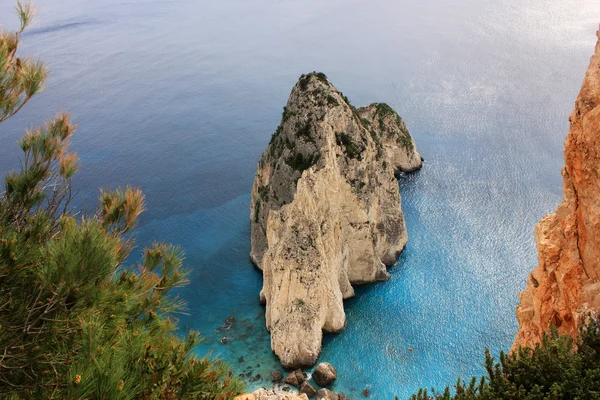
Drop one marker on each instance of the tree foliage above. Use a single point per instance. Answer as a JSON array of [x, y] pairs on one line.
[[76, 322], [20, 79], [556, 368]]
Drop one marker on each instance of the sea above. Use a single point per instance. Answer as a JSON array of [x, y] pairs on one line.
[[180, 98]]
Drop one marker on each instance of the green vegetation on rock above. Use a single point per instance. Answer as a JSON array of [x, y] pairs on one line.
[[20, 79], [77, 322], [285, 115], [303, 131], [305, 79], [332, 101], [403, 138], [351, 149], [256, 210], [300, 162], [263, 191]]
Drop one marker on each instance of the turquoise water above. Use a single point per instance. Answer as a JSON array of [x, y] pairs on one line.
[[181, 97]]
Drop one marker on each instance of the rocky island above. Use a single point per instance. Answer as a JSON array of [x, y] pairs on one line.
[[566, 284], [325, 212]]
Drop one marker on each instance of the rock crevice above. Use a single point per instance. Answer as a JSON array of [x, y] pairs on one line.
[[325, 212]]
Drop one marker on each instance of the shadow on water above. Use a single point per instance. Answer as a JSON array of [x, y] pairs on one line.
[[63, 26]]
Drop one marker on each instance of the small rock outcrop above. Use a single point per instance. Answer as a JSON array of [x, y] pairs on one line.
[[566, 283], [276, 376], [325, 212], [324, 374], [307, 389], [326, 394], [295, 378], [306, 392], [264, 394]]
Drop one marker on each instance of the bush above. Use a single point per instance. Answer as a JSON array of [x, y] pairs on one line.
[[350, 148], [76, 322], [263, 191], [405, 140], [300, 163], [305, 79], [303, 131], [556, 368], [332, 101]]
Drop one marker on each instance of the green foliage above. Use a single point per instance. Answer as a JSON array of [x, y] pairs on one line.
[[20, 79], [300, 162], [556, 368], [303, 131], [76, 322], [382, 110], [351, 149], [275, 134], [256, 211], [403, 138], [332, 100], [321, 76], [299, 302], [305, 79], [285, 115], [263, 191], [346, 100]]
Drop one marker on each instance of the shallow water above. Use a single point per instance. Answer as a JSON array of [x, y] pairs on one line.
[[181, 97]]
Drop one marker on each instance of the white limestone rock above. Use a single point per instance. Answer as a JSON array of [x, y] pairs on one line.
[[325, 212]]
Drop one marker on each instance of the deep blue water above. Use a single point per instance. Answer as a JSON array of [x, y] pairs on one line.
[[181, 97]]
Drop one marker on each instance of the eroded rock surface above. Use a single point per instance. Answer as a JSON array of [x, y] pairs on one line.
[[264, 394], [566, 283], [325, 212]]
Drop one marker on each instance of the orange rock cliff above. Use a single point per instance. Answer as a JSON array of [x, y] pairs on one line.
[[566, 283]]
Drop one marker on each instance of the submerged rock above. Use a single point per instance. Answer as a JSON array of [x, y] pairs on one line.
[[325, 212], [276, 376], [227, 325], [566, 283]]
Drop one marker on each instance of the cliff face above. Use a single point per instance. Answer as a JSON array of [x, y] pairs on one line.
[[566, 282], [325, 212]]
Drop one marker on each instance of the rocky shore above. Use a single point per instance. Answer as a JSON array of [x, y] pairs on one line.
[[565, 286], [304, 388], [325, 212]]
